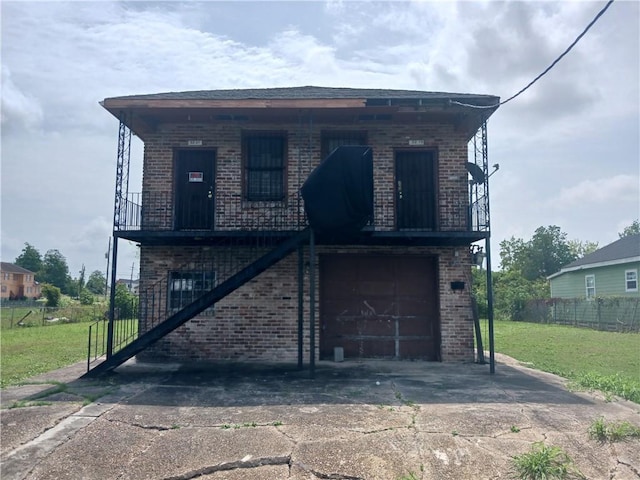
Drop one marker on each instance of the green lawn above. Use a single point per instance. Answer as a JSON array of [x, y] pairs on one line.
[[30, 351], [603, 360]]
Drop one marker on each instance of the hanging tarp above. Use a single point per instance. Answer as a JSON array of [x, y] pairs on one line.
[[338, 195]]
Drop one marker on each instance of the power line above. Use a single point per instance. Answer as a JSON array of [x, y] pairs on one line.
[[600, 13]]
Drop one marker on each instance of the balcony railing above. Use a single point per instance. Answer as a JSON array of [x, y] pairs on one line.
[[154, 212]]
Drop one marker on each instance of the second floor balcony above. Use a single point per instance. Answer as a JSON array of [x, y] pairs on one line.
[[160, 218]]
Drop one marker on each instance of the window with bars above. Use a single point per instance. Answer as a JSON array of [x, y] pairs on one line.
[[264, 166], [332, 140], [186, 287]]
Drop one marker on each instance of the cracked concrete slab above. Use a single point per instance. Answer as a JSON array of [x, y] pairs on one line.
[[355, 420], [19, 425]]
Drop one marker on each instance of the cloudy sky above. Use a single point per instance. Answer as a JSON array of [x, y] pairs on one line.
[[568, 148]]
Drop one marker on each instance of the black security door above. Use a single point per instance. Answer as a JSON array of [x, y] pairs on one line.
[[415, 190], [195, 189]]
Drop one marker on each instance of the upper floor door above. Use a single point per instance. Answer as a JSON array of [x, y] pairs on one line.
[[195, 190], [416, 190]]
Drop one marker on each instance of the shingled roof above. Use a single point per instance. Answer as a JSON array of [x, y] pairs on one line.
[[624, 249], [312, 92], [11, 268], [143, 113]]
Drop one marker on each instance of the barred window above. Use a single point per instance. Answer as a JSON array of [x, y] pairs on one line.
[[265, 162], [186, 287], [334, 139]]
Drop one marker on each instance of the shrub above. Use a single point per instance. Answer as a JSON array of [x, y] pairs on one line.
[[52, 294], [85, 297]]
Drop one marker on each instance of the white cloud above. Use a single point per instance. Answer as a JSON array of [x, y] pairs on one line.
[[619, 188], [18, 107]]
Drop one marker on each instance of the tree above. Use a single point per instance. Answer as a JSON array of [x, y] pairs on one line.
[[96, 282], [580, 249], [546, 253], [126, 303], [512, 292], [55, 270], [629, 230], [81, 281], [30, 259]]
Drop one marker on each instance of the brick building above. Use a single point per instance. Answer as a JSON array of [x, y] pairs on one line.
[[221, 211]]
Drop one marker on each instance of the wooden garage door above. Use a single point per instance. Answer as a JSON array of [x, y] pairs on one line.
[[379, 306]]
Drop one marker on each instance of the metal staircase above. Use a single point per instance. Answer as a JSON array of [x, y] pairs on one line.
[[159, 320]]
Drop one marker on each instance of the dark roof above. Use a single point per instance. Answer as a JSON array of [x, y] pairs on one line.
[[11, 268], [311, 92], [626, 247]]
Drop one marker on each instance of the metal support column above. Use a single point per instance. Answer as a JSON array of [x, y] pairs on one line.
[[300, 305], [492, 355], [119, 215], [485, 158], [112, 298], [312, 304]]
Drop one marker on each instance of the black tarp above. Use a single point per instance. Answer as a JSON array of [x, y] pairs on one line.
[[338, 195]]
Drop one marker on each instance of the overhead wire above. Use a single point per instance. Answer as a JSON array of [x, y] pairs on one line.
[[595, 19]]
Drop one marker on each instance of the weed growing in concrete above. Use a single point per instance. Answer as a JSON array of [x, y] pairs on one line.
[[604, 431], [28, 403], [544, 462], [514, 429], [277, 423], [409, 476]]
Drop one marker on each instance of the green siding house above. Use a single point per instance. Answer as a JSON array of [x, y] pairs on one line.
[[609, 271]]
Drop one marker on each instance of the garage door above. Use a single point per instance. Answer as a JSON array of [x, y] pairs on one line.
[[379, 306]]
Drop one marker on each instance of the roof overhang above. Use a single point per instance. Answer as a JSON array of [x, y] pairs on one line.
[[620, 261], [143, 114]]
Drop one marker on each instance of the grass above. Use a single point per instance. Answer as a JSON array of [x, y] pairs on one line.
[[544, 462], [604, 431], [591, 359], [31, 351]]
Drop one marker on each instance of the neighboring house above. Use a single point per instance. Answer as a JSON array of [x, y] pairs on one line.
[[220, 219], [132, 285], [17, 283], [609, 271]]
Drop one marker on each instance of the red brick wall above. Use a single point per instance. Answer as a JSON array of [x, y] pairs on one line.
[[259, 321]]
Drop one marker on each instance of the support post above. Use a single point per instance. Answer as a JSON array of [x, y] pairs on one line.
[[112, 298], [312, 304], [300, 305], [485, 156], [492, 355]]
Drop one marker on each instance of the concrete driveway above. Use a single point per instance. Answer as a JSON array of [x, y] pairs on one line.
[[356, 420]]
